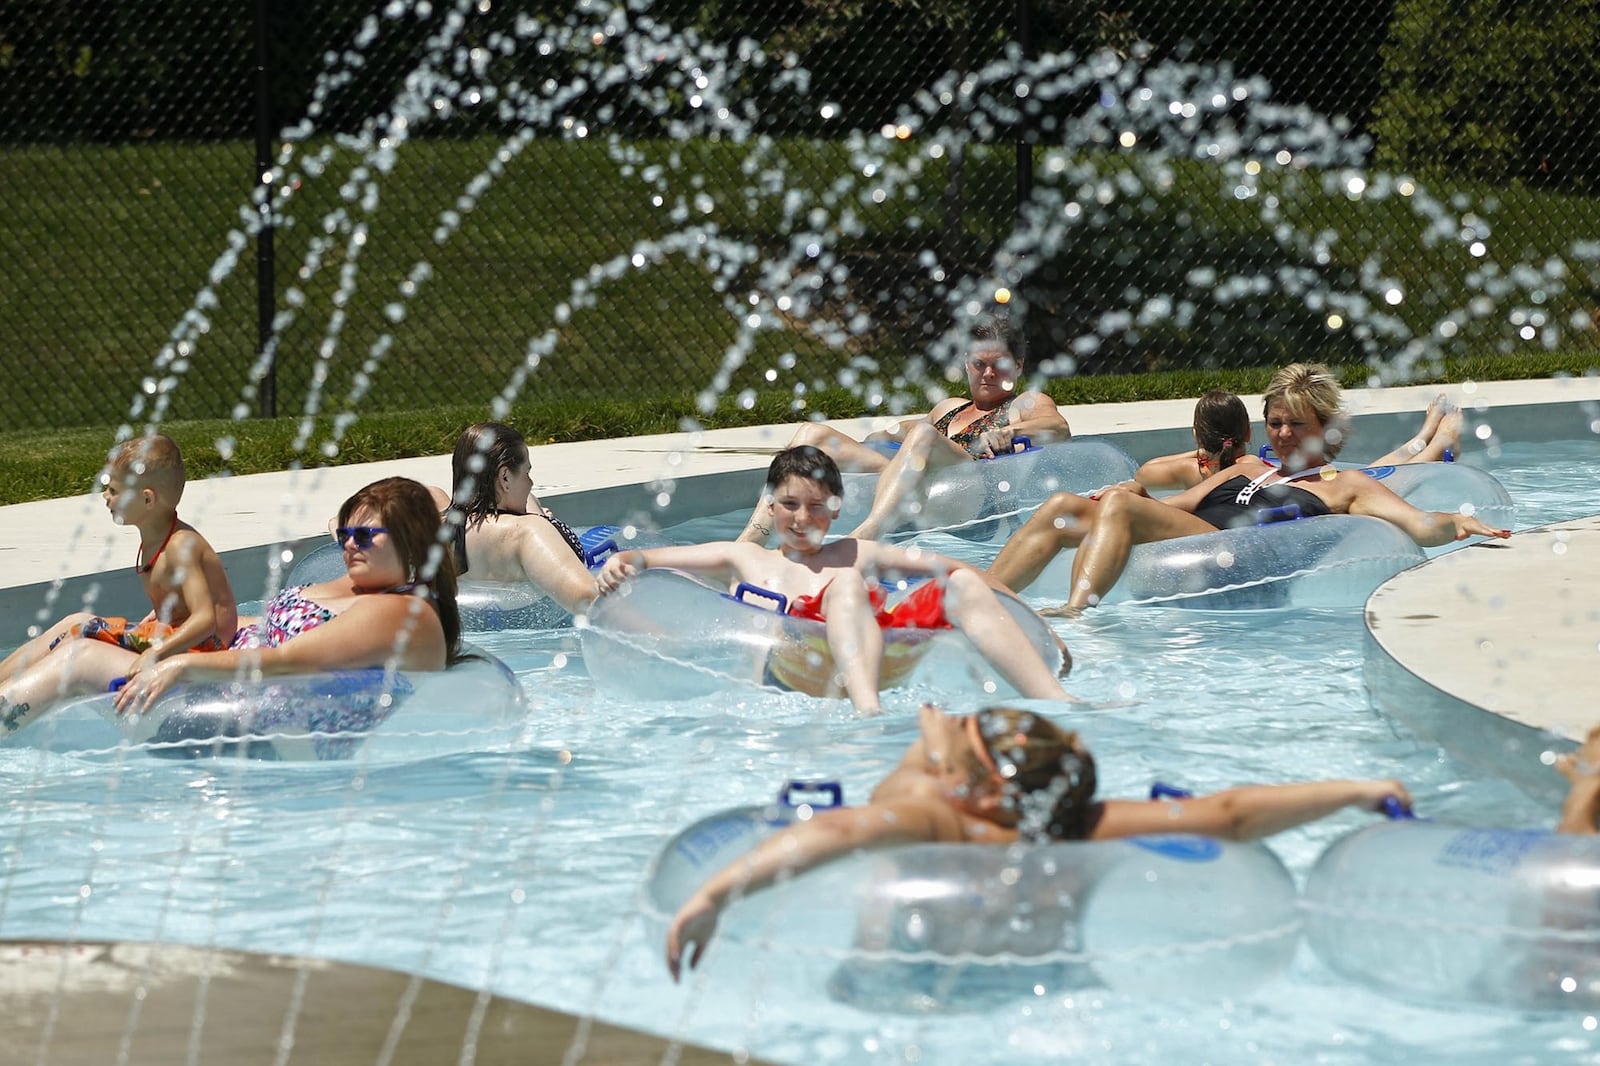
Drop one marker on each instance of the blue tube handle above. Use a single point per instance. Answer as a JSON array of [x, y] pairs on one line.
[[116, 684], [832, 790], [756, 596], [1161, 790], [1019, 445], [596, 556], [1289, 512], [1393, 810]]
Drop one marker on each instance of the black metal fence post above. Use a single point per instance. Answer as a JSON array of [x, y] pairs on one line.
[[266, 295]]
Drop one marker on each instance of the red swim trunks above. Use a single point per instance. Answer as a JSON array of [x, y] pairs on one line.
[[923, 609], [136, 637]]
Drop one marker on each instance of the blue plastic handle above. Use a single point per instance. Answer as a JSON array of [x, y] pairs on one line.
[[594, 557], [1161, 790], [1397, 813], [1019, 446], [831, 790], [1449, 456], [1289, 512], [116, 684], [756, 596]]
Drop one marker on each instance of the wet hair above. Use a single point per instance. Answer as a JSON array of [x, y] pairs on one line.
[[482, 451], [1221, 425], [1049, 774], [811, 464], [152, 461], [406, 509], [1302, 388], [996, 331]]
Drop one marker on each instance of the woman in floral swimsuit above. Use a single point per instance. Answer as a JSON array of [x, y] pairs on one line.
[[391, 609]]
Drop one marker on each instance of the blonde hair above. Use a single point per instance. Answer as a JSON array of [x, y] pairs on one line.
[[1310, 388], [154, 462]]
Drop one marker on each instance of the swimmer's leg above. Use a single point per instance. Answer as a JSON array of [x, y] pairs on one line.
[[1123, 520], [854, 639], [82, 668], [39, 646], [1058, 524], [925, 449], [1581, 811], [1440, 433], [972, 607]]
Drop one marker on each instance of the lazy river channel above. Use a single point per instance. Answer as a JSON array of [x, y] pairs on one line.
[[518, 869]]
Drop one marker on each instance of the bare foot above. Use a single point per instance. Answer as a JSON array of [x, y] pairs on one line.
[[1063, 610]]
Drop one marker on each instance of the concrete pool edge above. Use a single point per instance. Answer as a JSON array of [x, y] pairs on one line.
[[1510, 628], [96, 1002]]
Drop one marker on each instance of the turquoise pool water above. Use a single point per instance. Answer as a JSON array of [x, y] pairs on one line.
[[518, 869]]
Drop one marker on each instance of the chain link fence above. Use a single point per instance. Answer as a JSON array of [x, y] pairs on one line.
[[219, 210]]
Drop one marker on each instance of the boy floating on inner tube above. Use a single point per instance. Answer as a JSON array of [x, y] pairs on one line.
[[192, 604], [997, 777], [837, 584]]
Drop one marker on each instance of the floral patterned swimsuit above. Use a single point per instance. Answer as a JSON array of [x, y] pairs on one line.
[[968, 437], [286, 617]]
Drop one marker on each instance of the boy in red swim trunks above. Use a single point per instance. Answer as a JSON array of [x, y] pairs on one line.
[[192, 603], [837, 583]]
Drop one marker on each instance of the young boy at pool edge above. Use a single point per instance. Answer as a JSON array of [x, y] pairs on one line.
[[192, 604], [837, 584]]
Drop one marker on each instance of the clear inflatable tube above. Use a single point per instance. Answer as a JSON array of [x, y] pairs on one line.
[[1444, 914], [665, 635], [490, 606], [1329, 561], [989, 499], [321, 717], [939, 925]]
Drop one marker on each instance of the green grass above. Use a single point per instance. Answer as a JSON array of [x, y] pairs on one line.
[[45, 464], [104, 250]]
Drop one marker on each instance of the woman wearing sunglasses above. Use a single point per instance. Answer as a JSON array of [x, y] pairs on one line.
[[505, 534], [996, 777], [394, 607]]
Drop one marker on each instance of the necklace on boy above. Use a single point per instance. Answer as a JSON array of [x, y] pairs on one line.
[[139, 565]]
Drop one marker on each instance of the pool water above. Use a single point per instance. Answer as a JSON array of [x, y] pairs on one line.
[[518, 870]]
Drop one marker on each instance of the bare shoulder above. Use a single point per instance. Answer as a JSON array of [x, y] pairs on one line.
[[945, 406], [1033, 402]]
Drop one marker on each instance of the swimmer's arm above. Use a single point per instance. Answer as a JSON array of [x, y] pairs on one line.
[[196, 596], [1580, 813], [1036, 416], [1170, 472], [718, 561], [1428, 528], [1247, 813], [548, 562], [827, 836], [366, 634], [891, 561]]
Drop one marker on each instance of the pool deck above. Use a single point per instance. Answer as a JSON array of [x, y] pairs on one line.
[[86, 1004]]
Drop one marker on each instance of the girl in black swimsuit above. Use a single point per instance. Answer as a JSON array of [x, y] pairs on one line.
[[492, 497]]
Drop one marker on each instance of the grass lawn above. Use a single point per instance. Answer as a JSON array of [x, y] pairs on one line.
[[601, 287]]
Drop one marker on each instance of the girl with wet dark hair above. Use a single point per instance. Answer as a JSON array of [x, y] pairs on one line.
[[502, 532], [997, 777]]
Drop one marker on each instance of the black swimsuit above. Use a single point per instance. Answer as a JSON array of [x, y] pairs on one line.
[[1240, 501], [561, 527]]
